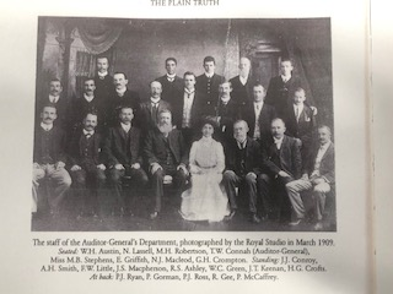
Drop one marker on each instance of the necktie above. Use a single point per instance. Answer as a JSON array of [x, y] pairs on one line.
[[297, 113], [154, 112]]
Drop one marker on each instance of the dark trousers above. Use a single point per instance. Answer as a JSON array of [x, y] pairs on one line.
[[88, 184], [231, 180], [137, 178], [274, 197], [179, 181]]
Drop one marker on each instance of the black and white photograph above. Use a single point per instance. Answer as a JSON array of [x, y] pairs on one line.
[[183, 125]]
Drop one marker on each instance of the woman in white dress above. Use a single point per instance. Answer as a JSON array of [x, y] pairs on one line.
[[206, 199]]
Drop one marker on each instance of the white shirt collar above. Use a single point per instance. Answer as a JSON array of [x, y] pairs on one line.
[[325, 146], [286, 79], [85, 132], [189, 91], [242, 145], [125, 127], [54, 99], [225, 100], [46, 127], [155, 100], [88, 98], [209, 76], [243, 80], [171, 76], [102, 74]]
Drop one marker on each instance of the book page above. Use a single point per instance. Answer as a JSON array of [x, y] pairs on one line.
[[41, 256]]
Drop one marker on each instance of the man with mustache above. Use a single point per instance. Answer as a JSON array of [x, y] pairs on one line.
[[49, 159], [318, 176], [56, 98], [281, 164], [150, 109], [87, 165], [122, 96], [123, 157], [88, 102], [165, 154]]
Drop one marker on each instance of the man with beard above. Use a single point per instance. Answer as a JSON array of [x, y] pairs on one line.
[[87, 165], [87, 103], [281, 164], [49, 159], [165, 154], [172, 84], [122, 97], [150, 109], [56, 98], [122, 152], [318, 176], [242, 168], [242, 84], [102, 80]]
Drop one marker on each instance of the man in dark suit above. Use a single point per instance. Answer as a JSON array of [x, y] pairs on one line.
[[318, 176], [281, 164], [172, 84], [150, 109], [300, 121], [187, 109], [123, 157], [122, 96], [281, 88], [259, 116], [103, 81], [209, 81], [242, 84], [86, 103], [56, 98], [227, 112], [242, 166], [49, 159], [166, 155], [87, 165]]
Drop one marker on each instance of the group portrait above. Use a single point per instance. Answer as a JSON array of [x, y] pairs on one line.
[[183, 125]]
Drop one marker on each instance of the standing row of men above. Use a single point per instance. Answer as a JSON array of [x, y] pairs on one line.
[[238, 106]]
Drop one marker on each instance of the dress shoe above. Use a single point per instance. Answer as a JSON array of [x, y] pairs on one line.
[[318, 226], [296, 222], [255, 218], [154, 215], [230, 216]]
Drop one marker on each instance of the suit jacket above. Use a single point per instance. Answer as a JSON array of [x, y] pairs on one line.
[[268, 113], [130, 98], [197, 110], [171, 90], [242, 94], [145, 120], [279, 93], [229, 113], [62, 107], [104, 87], [76, 153], [302, 129], [155, 150], [289, 156], [79, 108], [211, 94], [58, 143], [115, 146], [253, 156], [326, 168]]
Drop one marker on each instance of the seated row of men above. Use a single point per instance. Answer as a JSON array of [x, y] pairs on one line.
[[270, 170]]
